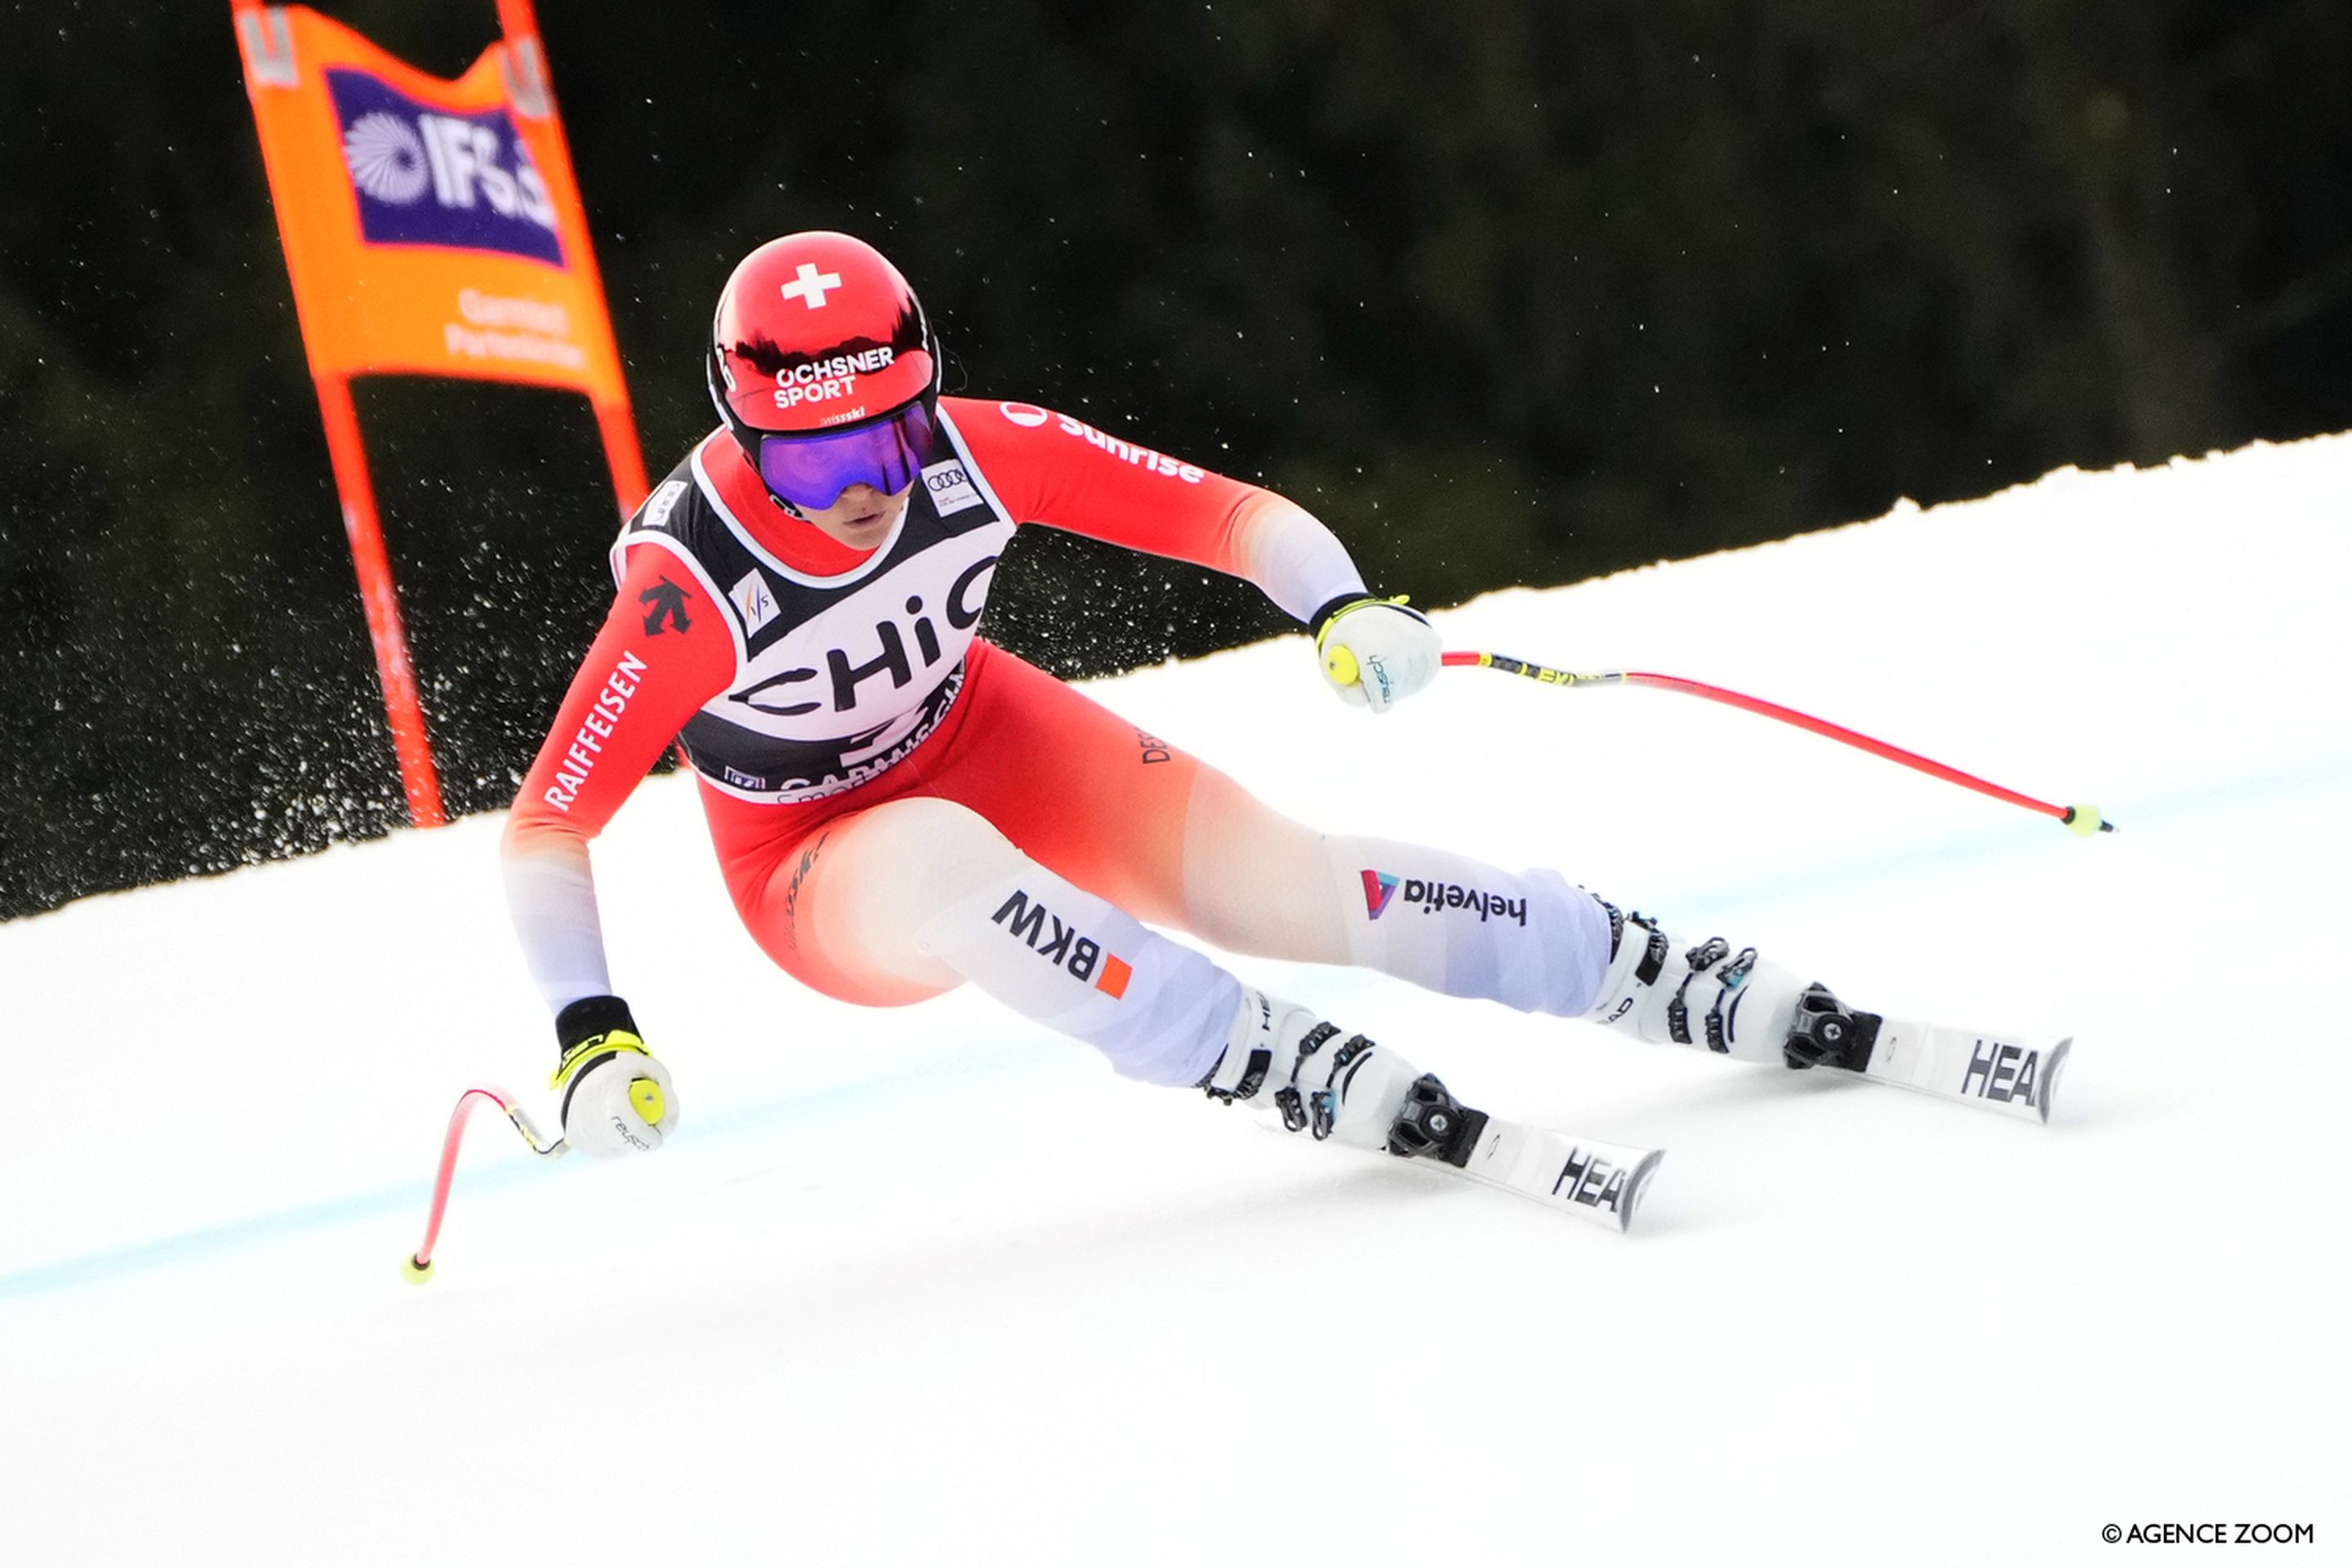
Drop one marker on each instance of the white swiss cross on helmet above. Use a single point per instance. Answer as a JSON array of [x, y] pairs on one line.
[[810, 287], [815, 331]]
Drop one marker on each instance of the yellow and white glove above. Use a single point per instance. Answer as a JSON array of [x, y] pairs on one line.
[[616, 1099], [1375, 652]]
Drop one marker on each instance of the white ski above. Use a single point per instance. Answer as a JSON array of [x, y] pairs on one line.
[[1581, 1176], [2000, 1073]]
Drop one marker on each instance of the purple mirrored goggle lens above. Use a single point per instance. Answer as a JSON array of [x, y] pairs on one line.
[[810, 472]]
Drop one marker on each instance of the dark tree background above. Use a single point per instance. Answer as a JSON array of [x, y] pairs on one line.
[[1508, 292]]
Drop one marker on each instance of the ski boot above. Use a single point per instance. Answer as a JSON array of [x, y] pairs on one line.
[[1368, 1095], [1732, 1002], [1284, 1057]]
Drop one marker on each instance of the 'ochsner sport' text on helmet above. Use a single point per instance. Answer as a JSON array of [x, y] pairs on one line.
[[815, 332]]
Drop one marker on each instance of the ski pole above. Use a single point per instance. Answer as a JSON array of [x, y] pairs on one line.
[[420, 1262], [2083, 818]]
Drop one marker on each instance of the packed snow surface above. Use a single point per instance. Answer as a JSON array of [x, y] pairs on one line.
[[929, 1286]]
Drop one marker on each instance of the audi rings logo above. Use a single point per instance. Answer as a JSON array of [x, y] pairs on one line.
[[386, 157], [1028, 416]]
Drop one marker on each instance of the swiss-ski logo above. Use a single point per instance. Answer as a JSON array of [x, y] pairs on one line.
[[1080, 957], [2003, 1072]]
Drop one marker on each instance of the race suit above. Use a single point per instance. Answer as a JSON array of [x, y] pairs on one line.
[[900, 806]]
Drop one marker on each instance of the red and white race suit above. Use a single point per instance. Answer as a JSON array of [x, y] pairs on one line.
[[871, 767]]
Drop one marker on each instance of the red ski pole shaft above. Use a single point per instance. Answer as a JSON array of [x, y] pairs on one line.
[[2084, 819], [420, 1262]]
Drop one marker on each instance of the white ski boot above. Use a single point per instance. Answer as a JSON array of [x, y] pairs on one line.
[[1284, 1057], [1711, 998], [1344, 1087]]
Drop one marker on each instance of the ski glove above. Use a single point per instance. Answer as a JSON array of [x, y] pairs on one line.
[[616, 1099], [1375, 652]]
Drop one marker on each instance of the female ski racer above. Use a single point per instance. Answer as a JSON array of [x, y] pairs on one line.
[[799, 610]]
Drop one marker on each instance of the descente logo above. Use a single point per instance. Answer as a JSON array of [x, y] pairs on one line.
[[1381, 891], [1080, 957]]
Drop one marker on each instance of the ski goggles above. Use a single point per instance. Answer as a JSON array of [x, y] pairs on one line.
[[812, 470]]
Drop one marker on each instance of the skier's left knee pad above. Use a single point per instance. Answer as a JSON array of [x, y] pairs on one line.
[[941, 846], [1709, 995]]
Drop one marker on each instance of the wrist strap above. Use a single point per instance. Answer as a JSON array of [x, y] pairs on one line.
[[1322, 617], [1348, 603], [589, 1017]]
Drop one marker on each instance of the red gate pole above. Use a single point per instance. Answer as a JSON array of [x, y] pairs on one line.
[[410, 741], [528, 89], [623, 455]]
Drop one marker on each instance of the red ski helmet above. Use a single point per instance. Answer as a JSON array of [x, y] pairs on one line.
[[825, 368]]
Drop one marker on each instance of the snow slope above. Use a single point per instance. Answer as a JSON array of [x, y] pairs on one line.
[[929, 1287]]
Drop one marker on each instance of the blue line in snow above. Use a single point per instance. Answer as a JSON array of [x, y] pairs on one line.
[[931, 1077]]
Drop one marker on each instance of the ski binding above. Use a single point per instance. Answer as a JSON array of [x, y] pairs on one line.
[[1582, 1176], [2000, 1073]]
